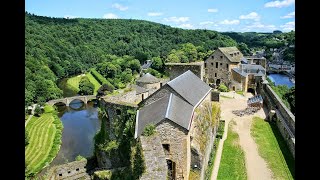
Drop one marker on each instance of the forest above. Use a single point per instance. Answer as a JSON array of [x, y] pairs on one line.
[[56, 48]]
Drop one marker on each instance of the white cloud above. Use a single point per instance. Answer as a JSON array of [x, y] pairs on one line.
[[177, 19], [213, 10], [230, 22], [70, 17], [186, 26], [288, 26], [110, 16], [290, 15], [155, 14], [258, 25], [206, 23], [253, 15], [120, 7], [279, 4]]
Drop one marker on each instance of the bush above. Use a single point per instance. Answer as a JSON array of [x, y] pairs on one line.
[[80, 158], [37, 110], [149, 130], [85, 86], [48, 109], [102, 175], [223, 88]]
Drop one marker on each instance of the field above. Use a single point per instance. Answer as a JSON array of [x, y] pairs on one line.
[[44, 141], [94, 82], [73, 83], [272, 149], [232, 165]]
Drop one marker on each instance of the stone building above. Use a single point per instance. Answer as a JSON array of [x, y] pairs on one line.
[[171, 109], [176, 69], [246, 76], [149, 82], [256, 60], [218, 65]]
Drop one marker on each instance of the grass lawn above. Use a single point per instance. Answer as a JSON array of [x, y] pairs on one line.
[[232, 164], [273, 149], [94, 82], [44, 141], [73, 83]]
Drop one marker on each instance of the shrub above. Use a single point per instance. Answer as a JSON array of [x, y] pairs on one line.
[[80, 158], [223, 88], [37, 110], [149, 130]]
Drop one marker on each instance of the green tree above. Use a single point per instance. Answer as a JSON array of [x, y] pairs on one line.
[[85, 86], [37, 110], [157, 64]]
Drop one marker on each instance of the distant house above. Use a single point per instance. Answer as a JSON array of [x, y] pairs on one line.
[[147, 64], [171, 109], [218, 65]]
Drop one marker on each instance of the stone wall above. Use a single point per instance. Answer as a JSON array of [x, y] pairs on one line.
[[285, 119], [178, 140], [149, 85], [202, 131], [175, 69], [215, 96], [72, 170], [154, 158]]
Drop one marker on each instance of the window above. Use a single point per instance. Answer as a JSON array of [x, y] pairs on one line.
[[211, 64], [212, 57], [60, 174], [215, 74], [217, 64], [228, 66], [221, 57], [220, 64], [231, 55], [77, 169], [69, 172], [166, 148], [205, 65]]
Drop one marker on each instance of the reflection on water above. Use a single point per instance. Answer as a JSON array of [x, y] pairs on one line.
[[281, 79], [80, 123]]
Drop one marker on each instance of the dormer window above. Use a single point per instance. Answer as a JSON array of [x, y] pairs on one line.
[[231, 55]]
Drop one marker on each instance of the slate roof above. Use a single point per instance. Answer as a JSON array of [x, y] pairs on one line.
[[168, 107], [148, 78], [230, 50], [190, 87], [179, 110], [147, 64], [140, 89], [257, 70]]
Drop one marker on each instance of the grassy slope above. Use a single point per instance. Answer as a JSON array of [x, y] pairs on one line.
[[273, 149], [94, 82], [73, 83], [232, 165], [44, 141]]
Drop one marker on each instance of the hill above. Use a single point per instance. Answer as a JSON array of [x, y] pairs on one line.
[[56, 47]]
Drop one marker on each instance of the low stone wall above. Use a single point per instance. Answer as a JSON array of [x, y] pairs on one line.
[[285, 118], [154, 158]]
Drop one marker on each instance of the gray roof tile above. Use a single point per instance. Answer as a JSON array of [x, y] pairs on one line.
[[190, 87], [148, 78]]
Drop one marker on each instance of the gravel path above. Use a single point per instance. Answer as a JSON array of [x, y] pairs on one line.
[[255, 165]]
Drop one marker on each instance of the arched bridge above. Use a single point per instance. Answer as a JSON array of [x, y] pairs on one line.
[[68, 100]]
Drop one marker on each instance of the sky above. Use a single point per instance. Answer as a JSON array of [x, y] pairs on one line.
[[218, 15]]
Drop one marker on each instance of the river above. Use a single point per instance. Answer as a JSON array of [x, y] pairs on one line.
[[281, 79], [80, 123]]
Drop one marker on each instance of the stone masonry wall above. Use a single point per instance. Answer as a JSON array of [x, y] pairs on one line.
[[178, 139], [222, 72], [285, 119], [176, 69], [154, 158]]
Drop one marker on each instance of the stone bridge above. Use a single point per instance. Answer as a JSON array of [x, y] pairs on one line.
[[68, 100]]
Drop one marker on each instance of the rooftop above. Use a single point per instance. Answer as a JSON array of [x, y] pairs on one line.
[[148, 78], [231, 50]]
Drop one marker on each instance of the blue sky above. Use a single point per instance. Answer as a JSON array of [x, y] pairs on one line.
[[219, 15]]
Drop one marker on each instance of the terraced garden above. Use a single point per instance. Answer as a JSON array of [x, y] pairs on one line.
[[45, 134], [273, 148]]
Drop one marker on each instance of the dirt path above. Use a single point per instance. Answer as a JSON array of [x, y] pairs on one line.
[[255, 165]]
